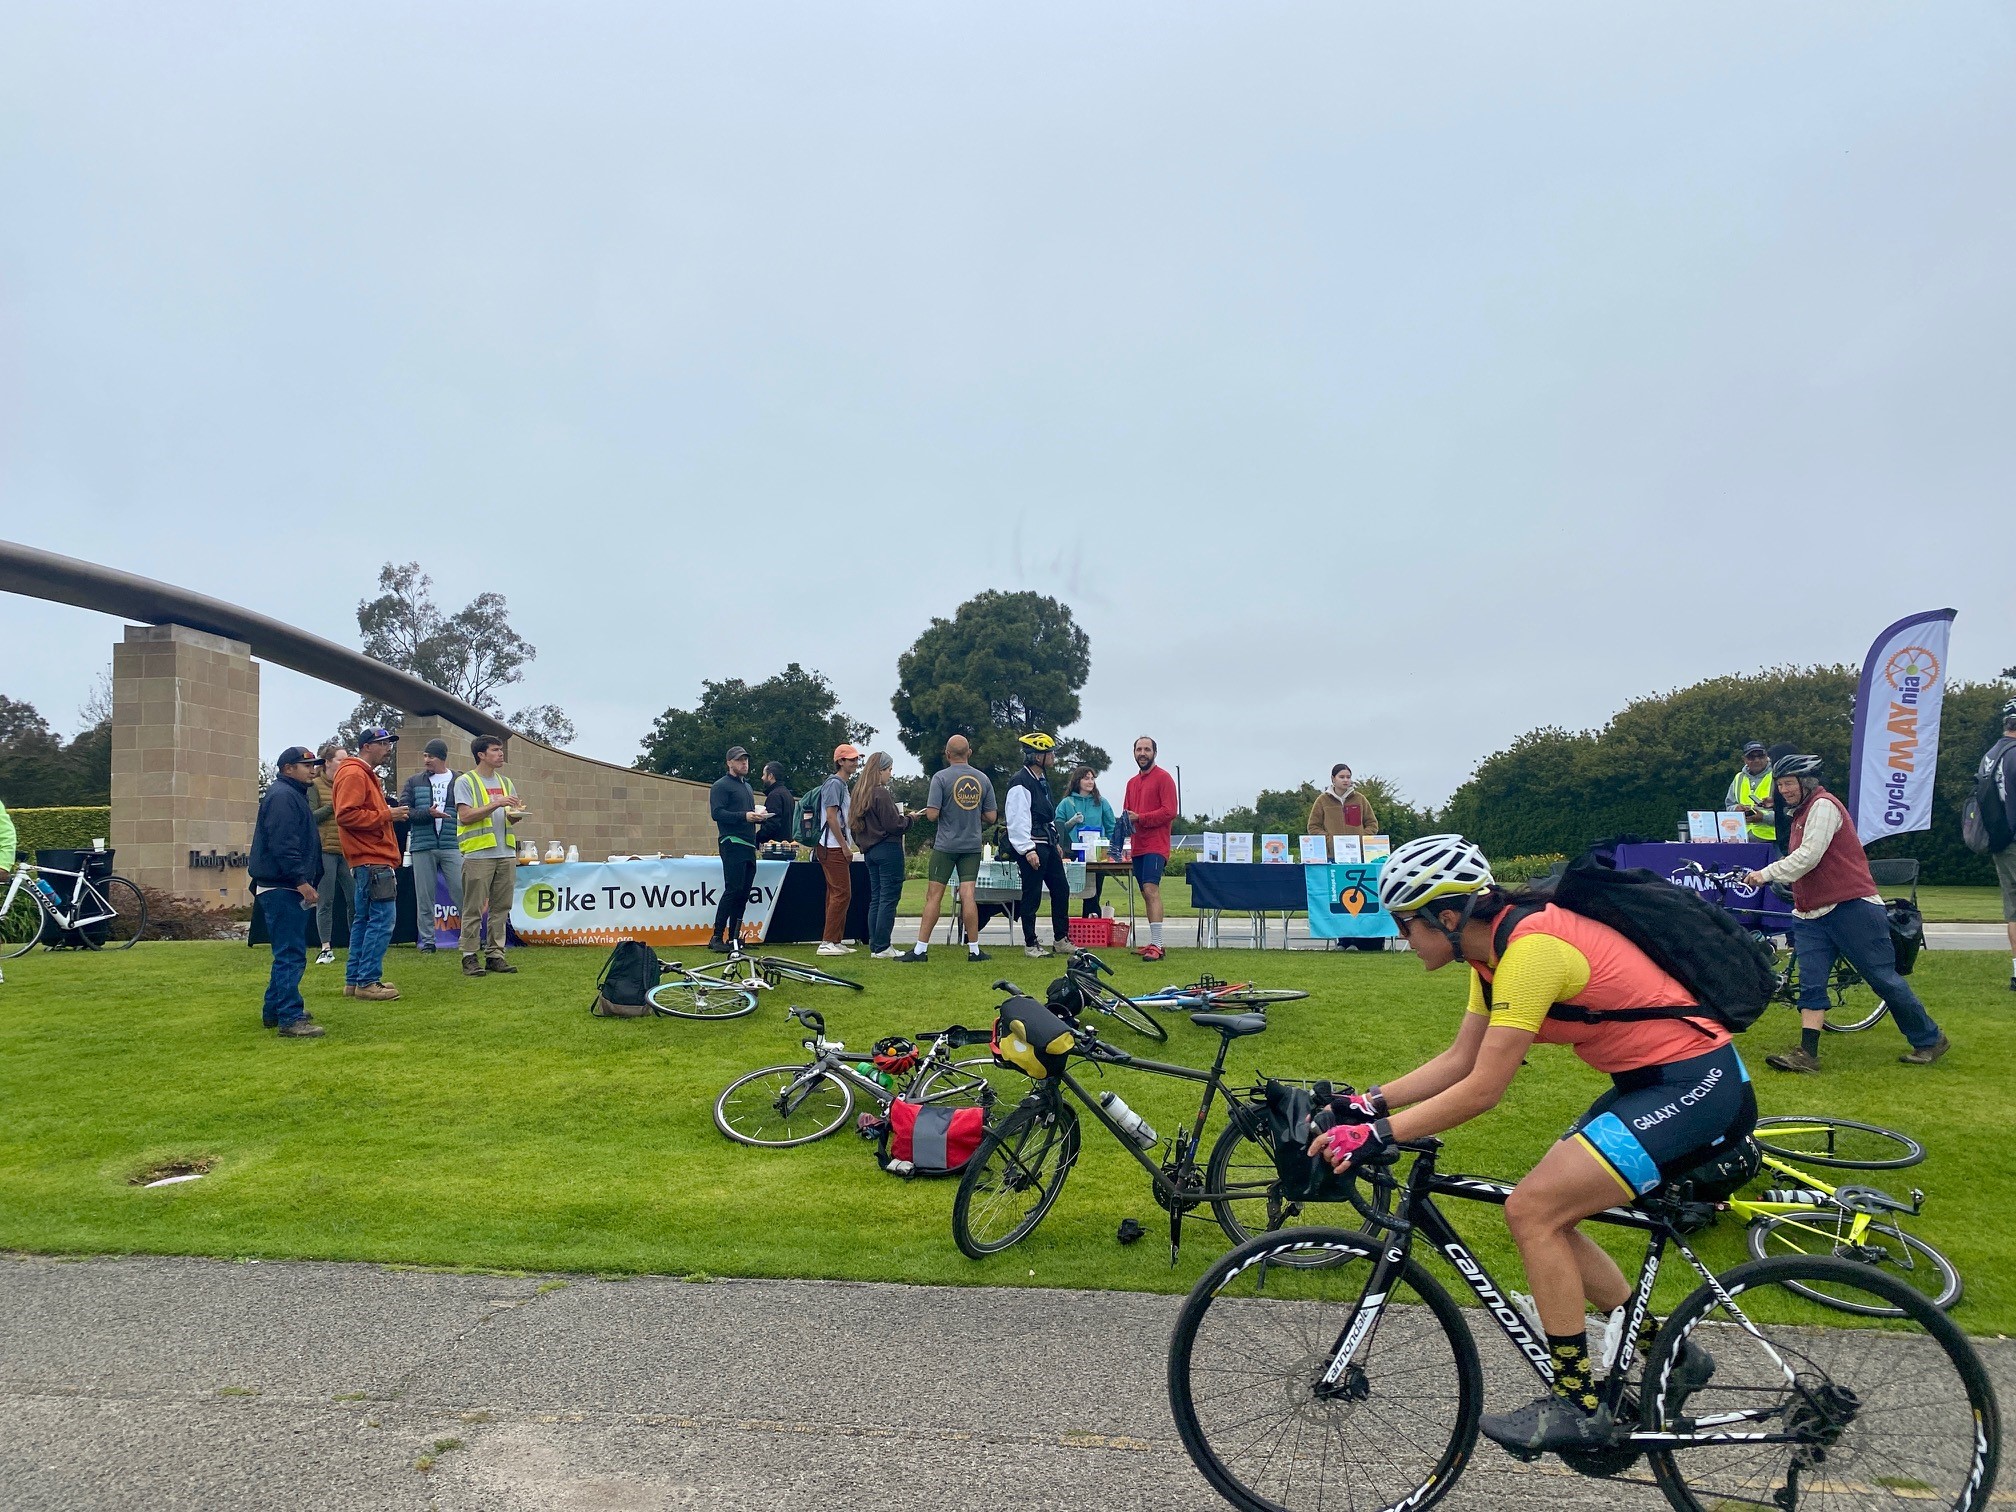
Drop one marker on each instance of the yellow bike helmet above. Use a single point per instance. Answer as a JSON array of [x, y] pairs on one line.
[[1036, 740]]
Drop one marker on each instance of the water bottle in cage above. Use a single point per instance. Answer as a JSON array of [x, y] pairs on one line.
[[1132, 1124], [1802, 1195]]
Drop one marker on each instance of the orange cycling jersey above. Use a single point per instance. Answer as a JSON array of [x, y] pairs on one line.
[[1555, 956]]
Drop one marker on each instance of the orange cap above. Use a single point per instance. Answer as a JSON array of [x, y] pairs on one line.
[[846, 752]]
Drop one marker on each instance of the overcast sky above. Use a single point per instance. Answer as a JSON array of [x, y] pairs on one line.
[[1375, 383]]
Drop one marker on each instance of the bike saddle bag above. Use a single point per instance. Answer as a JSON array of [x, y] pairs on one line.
[[1032, 1038], [1721, 1178], [1290, 1127], [929, 1139]]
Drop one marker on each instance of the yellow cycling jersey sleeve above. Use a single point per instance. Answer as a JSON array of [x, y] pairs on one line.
[[1536, 972]]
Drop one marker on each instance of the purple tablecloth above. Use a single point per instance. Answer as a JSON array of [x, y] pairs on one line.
[[1762, 909]]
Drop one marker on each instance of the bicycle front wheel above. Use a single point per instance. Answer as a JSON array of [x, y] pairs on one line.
[[1839, 1142], [1881, 1246], [1852, 1004], [1135, 1017], [782, 1106], [1897, 1417], [700, 1000], [129, 916], [1246, 1362], [773, 967], [1245, 1188], [1257, 997], [1015, 1176], [20, 922]]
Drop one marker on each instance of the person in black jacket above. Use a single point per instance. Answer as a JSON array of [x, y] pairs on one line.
[[735, 819], [783, 807], [285, 864]]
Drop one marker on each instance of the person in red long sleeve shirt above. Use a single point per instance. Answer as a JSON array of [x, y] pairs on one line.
[[1151, 808]]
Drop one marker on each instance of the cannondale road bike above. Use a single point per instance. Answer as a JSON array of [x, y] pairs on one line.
[[58, 907], [1326, 1370]]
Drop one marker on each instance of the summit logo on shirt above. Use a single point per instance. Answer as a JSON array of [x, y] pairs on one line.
[[966, 791]]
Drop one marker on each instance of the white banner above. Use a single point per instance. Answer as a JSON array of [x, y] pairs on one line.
[[664, 902], [1897, 705]]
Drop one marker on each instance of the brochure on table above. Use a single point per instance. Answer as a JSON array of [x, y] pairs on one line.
[[1239, 845], [1701, 827], [1376, 847], [1733, 825], [1314, 851], [1347, 850], [1274, 850]]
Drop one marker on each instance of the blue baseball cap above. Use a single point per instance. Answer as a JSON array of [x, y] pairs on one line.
[[377, 735]]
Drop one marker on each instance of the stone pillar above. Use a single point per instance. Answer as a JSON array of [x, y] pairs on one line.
[[185, 761]]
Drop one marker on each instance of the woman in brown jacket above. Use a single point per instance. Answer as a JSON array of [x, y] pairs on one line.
[[1341, 809], [878, 826]]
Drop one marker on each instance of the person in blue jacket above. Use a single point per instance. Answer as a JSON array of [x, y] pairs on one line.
[[1081, 807], [286, 863]]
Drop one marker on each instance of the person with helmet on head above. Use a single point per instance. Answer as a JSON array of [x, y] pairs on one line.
[[1837, 914], [1679, 1096], [1032, 836]]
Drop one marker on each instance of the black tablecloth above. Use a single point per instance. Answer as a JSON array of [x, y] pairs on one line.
[[1247, 887]]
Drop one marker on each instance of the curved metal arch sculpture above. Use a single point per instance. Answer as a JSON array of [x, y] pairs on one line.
[[60, 579]]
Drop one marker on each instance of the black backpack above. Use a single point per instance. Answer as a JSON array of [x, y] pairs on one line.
[[1984, 819], [1726, 968], [632, 970]]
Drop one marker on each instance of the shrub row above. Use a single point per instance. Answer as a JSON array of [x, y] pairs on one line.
[[60, 828]]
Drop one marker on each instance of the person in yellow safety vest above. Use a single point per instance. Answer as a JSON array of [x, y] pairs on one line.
[[486, 806], [1750, 791]]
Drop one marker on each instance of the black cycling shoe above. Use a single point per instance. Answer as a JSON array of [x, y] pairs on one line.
[[1547, 1425]]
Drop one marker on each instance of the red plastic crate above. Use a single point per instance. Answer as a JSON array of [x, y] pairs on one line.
[[1098, 934]]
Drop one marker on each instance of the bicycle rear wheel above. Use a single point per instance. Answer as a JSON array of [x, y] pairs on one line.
[[1897, 1417], [1015, 1176], [1134, 1016], [1842, 1143], [1257, 997], [779, 1107], [21, 923], [129, 916], [1883, 1246], [1245, 1366], [773, 967], [1852, 1004], [700, 1000], [978, 1082]]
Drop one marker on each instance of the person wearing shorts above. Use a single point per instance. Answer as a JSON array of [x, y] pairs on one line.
[[961, 804], [1150, 807]]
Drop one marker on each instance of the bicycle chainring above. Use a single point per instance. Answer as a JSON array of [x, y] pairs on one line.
[[1190, 1197]]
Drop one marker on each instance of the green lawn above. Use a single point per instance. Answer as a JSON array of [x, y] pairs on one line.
[[495, 1123], [1175, 899]]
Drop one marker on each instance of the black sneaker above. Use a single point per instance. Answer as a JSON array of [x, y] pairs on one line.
[[978, 955], [1547, 1425], [302, 1028], [911, 958], [720, 947]]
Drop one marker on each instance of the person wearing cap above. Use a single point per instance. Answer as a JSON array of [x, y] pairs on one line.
[[364, 823], [285, 864], [1750, 791], [486, 806], [736, 816], [430, 838], [834, 850]]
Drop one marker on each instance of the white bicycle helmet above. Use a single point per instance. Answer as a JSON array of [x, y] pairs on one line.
[[1434, 866]]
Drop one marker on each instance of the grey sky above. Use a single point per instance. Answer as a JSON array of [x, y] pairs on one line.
[[1376, 383]]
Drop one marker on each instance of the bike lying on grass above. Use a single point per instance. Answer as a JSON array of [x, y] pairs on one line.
[[727, 988], [76, 909], [1326, 1368], [1084, 970], [781, 1106], [1020, 1168]]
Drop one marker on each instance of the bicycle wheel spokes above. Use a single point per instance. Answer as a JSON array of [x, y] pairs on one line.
[[1242, 1171], [1258, 997], [779, 1106], [129, 916], [1892, 1418], [1015, 1176], [979, 1082], [701, 1000], [1245, 1380], [774, 967], [1852, 1003], [1883, 1246], [21, 923], [1839, 1142], [1134, 1016]]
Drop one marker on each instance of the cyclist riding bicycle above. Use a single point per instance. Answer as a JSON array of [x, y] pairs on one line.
[[1679, 1096]]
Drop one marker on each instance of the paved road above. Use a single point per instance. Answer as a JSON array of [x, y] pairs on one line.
[[151, 1383]]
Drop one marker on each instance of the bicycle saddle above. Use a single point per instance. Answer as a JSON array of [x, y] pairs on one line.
[[1231, 1025]]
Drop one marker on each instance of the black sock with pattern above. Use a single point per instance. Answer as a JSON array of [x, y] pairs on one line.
[[1574, 1376], [1648, 1330]]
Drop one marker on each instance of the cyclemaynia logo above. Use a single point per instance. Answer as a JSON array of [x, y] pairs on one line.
[[1911, 667]]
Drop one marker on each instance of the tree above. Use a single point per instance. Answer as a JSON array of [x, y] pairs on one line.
[[471, 654], [1004, 664], [793, 718], [38, 769]]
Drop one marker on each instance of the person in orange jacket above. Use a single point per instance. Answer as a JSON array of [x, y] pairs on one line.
[[364, 824]]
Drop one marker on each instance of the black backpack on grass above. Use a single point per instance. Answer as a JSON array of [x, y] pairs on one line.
[[632, 970]]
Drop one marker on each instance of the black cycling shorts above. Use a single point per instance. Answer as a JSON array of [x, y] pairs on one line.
[[1662, 1121]]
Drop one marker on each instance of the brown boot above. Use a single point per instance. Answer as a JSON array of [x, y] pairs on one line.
[[379, 992], [498, 963], [471, 966], [349, 989], [302, 1028]]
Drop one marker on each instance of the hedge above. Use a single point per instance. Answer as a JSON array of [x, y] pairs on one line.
[[60, 828]]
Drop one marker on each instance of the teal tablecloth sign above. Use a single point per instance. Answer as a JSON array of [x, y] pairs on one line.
[[1344, 902]]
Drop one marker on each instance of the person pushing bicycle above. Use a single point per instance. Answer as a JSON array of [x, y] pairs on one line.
[[1679, 1096]]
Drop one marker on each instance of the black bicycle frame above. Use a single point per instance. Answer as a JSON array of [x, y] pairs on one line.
[[1417, 1213]]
